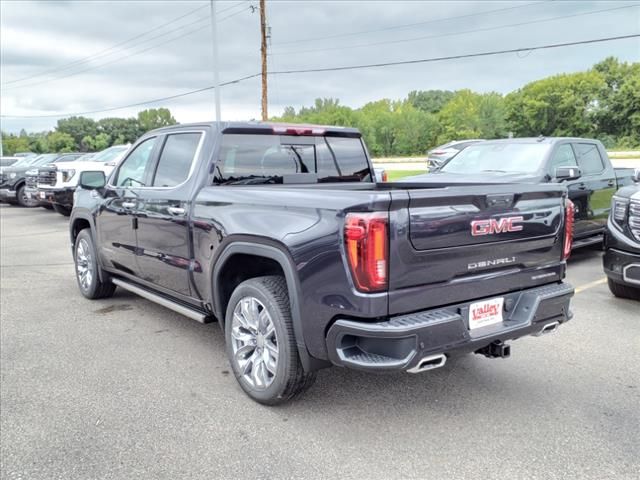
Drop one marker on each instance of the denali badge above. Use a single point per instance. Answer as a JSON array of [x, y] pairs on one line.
[[490, 263], [492, 226]]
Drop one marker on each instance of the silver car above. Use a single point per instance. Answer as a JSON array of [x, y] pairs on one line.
[[439, 155]]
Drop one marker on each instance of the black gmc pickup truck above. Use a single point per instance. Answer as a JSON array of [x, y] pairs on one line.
[[580, 164], [281, 234]]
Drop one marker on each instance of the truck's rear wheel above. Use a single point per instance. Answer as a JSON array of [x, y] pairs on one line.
[[88, 270], [66, 211], [261, 344], [623, 291]]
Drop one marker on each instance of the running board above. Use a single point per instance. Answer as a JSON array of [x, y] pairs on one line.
[[155, 298], [585, 242]]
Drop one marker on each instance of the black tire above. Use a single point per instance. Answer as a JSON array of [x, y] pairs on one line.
[[22, 200], [47, 205], [92, 288], [289, 379], [623, 291], [66, 211]]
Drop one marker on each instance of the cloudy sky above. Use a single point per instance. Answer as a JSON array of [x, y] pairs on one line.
[[60, 57]]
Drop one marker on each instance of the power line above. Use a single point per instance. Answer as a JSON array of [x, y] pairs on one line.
[[456, 57], [409, 25], [413, 39], [343, 68], [146, 102], [95, 67], [103, 53]]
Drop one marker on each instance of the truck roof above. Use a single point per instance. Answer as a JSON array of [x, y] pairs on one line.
[[545, 140], [255, 125]]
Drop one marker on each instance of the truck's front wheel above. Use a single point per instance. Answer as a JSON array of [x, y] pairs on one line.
[[88, 269], [24, 200], [261, 344]]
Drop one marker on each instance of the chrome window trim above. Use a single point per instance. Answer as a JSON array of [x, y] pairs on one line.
[[203, 134]]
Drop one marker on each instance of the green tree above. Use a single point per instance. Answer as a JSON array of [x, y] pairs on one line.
[[430, 101], [562, 105], [120, 130], [97, 143], [60, 142], [77, 128], [472, 115], [618, 112], [155, 118], [12, 143]]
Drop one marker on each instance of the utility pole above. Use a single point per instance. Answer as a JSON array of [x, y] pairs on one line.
[[216, 76], [263, 52]]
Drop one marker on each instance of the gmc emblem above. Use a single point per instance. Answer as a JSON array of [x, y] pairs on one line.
[[492, 226]]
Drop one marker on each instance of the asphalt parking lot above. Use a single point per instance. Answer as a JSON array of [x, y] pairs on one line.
[[123, 388]]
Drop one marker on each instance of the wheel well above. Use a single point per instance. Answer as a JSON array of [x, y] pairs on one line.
[[79, 225], [238, 268]]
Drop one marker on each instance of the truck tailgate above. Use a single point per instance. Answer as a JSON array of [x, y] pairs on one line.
[[446, 242]]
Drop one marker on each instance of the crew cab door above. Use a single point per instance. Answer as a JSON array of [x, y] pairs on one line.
[[599, 181], [164, 238], [116, 219], [564, 155]]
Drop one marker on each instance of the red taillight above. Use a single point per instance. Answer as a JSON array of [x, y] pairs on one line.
[[366, 244], [385, 176], [569, 212]]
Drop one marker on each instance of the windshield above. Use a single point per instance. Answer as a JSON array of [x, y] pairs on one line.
[[498, 157], [25, 162], [46, 158], [108, 154]]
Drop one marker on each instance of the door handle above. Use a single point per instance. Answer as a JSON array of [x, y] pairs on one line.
[[129, 205], [582, 186], [176, 210], [612, 183]]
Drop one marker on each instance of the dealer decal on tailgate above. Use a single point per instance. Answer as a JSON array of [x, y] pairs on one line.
[[485, 313]]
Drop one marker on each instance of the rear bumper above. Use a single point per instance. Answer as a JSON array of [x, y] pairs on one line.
[[403, 342]]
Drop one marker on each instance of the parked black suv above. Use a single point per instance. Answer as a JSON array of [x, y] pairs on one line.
[[281, 234], [622, 242]]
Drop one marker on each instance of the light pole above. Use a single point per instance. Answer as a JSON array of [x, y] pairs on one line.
[[216, 76]]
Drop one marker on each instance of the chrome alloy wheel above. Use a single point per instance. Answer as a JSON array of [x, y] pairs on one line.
[[84, 264], [254, 342]]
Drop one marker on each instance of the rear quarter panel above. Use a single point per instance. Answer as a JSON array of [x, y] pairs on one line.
[[306, 224]]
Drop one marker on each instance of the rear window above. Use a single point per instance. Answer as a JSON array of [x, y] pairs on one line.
[[250, 159]]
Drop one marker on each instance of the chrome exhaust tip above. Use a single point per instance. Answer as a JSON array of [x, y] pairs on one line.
[[548, 328], [429, 363]]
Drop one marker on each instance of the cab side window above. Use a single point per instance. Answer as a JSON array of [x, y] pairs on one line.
[[177, 156], [589, 158], [132, 170], [563, 157]]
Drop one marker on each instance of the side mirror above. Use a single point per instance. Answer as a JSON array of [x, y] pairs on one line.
[[636, 175], [92, 180], [567, 173]]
